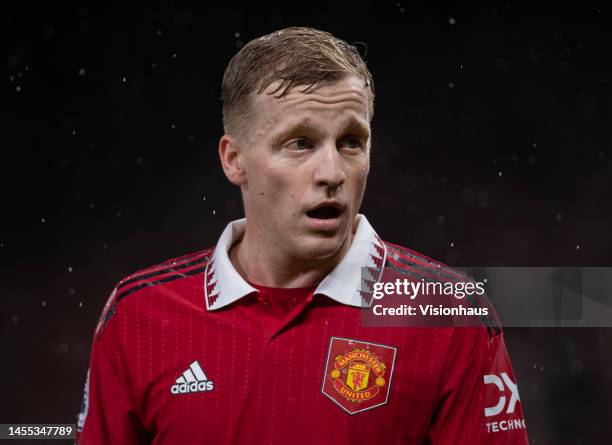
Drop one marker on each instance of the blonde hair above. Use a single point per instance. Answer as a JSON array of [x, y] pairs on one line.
[[295, 56]]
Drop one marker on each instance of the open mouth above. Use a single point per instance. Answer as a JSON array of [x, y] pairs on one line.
[[324, 212]]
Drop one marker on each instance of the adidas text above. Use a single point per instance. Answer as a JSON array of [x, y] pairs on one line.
[[185, 388], [193, 379]]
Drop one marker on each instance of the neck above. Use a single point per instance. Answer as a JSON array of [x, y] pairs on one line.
[[262, 263]]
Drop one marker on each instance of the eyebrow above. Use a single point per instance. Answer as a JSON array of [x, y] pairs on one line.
[[350, 124]]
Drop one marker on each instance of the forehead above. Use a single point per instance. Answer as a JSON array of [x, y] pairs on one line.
[[344, 101]]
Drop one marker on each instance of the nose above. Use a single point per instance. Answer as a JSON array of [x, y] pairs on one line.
[[330, 169]]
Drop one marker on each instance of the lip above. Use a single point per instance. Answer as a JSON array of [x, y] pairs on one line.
[[327, 224], [334, 204]]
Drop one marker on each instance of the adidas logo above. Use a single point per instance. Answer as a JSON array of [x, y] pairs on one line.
[[192, 380]]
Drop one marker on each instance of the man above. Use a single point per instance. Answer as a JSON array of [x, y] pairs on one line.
[[259, 339]]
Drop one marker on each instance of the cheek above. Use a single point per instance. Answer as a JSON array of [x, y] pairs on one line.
[[275, 185], [261, 176], [359, 175], [279, 182], [357, 186]]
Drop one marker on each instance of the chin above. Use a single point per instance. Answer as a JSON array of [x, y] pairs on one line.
[[321, 247]]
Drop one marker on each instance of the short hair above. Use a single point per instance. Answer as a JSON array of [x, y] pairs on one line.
[[296, 56]]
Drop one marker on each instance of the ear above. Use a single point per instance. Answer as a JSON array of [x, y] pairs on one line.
[[232, 159]]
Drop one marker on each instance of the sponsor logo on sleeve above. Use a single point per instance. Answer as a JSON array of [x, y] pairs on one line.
[[504, 392]]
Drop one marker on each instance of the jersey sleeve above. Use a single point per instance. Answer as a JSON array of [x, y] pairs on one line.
[[479, 400], [108, 413]]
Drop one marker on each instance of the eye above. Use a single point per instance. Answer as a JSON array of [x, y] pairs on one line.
[[352, 142], [299, 145]]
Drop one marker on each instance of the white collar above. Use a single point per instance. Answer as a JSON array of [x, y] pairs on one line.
[[223, 284]]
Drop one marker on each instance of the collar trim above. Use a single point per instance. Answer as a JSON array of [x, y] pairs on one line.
[[350, 282]]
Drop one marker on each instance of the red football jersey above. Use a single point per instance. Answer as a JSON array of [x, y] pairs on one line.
[[189, 352]]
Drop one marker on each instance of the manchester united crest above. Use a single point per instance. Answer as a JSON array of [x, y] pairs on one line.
[[358, 374]]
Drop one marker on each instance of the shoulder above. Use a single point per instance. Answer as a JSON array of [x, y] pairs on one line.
[[145, 281], [417, 266], [411, 262]]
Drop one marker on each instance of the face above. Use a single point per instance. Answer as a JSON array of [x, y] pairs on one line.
[[306, 166], [303, 166]]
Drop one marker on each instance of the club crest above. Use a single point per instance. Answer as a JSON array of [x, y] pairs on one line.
[[358, 374]]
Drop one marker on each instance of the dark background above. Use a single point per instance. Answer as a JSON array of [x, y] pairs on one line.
[[492, 146]]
